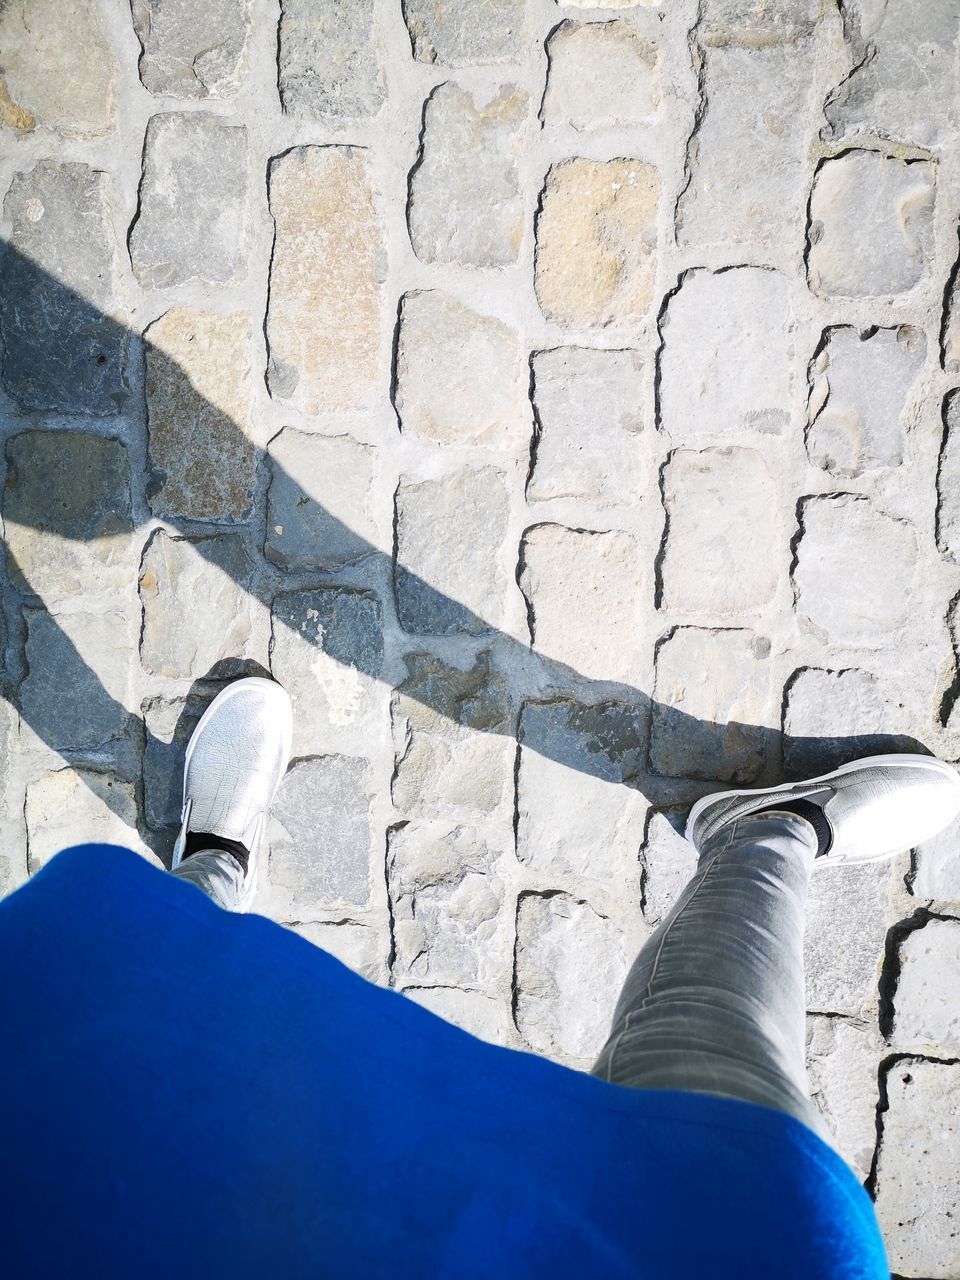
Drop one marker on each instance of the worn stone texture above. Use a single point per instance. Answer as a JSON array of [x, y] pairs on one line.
[[724, 553], [58, 69], [926, 1016], [361, 947], [465, 204], [59, 282], [948, 491], [950, 327], [937, 866], [753, 25], [193, 215], [320, 508], [574, 816], [448, 576], [845, 935], [589, 411], [833, 717], [600, 74], [918, 1168], [862, 400], [192, 48], [586, 594], [70, 806], [612, 4], [855, 570], [198, 408], [169, 723], [608, 209], [330, 61], [870, 231], [462, 377], [326, 275], [842, 1061], [727, 360], [459, 33], [473, 1011], [669, 863]]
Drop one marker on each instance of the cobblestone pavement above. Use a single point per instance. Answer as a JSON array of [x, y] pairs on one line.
[[561, 402]]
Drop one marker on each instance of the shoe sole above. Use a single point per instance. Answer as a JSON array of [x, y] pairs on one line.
[[812, 784]]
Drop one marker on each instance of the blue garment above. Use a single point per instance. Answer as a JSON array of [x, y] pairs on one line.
[[189, 1092]]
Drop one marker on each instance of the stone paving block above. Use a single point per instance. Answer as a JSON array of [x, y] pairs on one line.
[[669, 863], [950, 329], [79, 806], [58, 282], [216, 571], [586, 594], [462, 378], [360, 947], [327, 644], [611, 4], [472, 1011], [832, 717], [589, 407], [453, 736], [574, 814], [321, 838], [918, 1169], [326, 277], [948, 491], [465, 204], [870, 232], [169, 723], [447, 904], [756, 26], [66, 514], [926, 1015], [330, 65], [903, 85], [320, 503], [842, 1060], [448, 577], [726, 365], [192, 219], [845, 938], [569, 969], [855, 570], [748, 158], [608, 209], [76, 691], [59, 70], [713, 706], [937, 866], [724, 550], [192, 48], [861, 399], [600, 74], [198, 409], [459, 34]]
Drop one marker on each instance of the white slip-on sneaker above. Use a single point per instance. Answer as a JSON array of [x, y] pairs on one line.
[[235, 760], [875, 807]]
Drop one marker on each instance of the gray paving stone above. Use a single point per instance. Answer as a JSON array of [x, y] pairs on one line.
[[926, 1017], [462, 378], [600, 74], [360, 947], [855, 570], [612, 4], [574, 816], [327, 645], [861, 399], [585, 595], [845, 937], [950, 329], [58, 283], [192, 48], [473, 1011], [59, 69], [904, 83], [192, 220], [589, 407], [320, 508], [321, 838], [448, 576], [216, 571], [330, 64], [198, 410], [842, 1061], [66, 513], [669, 863], [465, 204], [608, 209], [79, 806], [720, 679], [453, 737], [570, 967], [726, 365], [724, 551], [326, 276], [948, 491], [937, 866], [756, 26], [832, 717], [459, 34], [918, 1169], [447, 905], [871, 225], [169, 723]]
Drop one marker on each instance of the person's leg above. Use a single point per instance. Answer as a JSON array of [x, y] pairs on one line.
[[217, 873]]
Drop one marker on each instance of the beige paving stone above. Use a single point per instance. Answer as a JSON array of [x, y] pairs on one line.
[[926, 1018], [845, 936], [459, 33], [473, 1011], [950, 331], [669, 863], [600, 73], [754, 25], [842, 1061], [948, 491], [937, 867], [192, 48], [361, 947], [832, 717], [80, 806]]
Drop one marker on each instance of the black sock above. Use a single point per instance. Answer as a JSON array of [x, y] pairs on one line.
[[813, 814], [197, 841]]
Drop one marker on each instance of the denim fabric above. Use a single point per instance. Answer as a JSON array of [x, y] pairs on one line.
[[217, 873]]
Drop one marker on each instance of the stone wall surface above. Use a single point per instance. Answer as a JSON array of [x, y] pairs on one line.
[[561, 400]]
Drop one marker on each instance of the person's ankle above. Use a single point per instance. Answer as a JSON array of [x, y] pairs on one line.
[[200, 841], [811, 813]]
